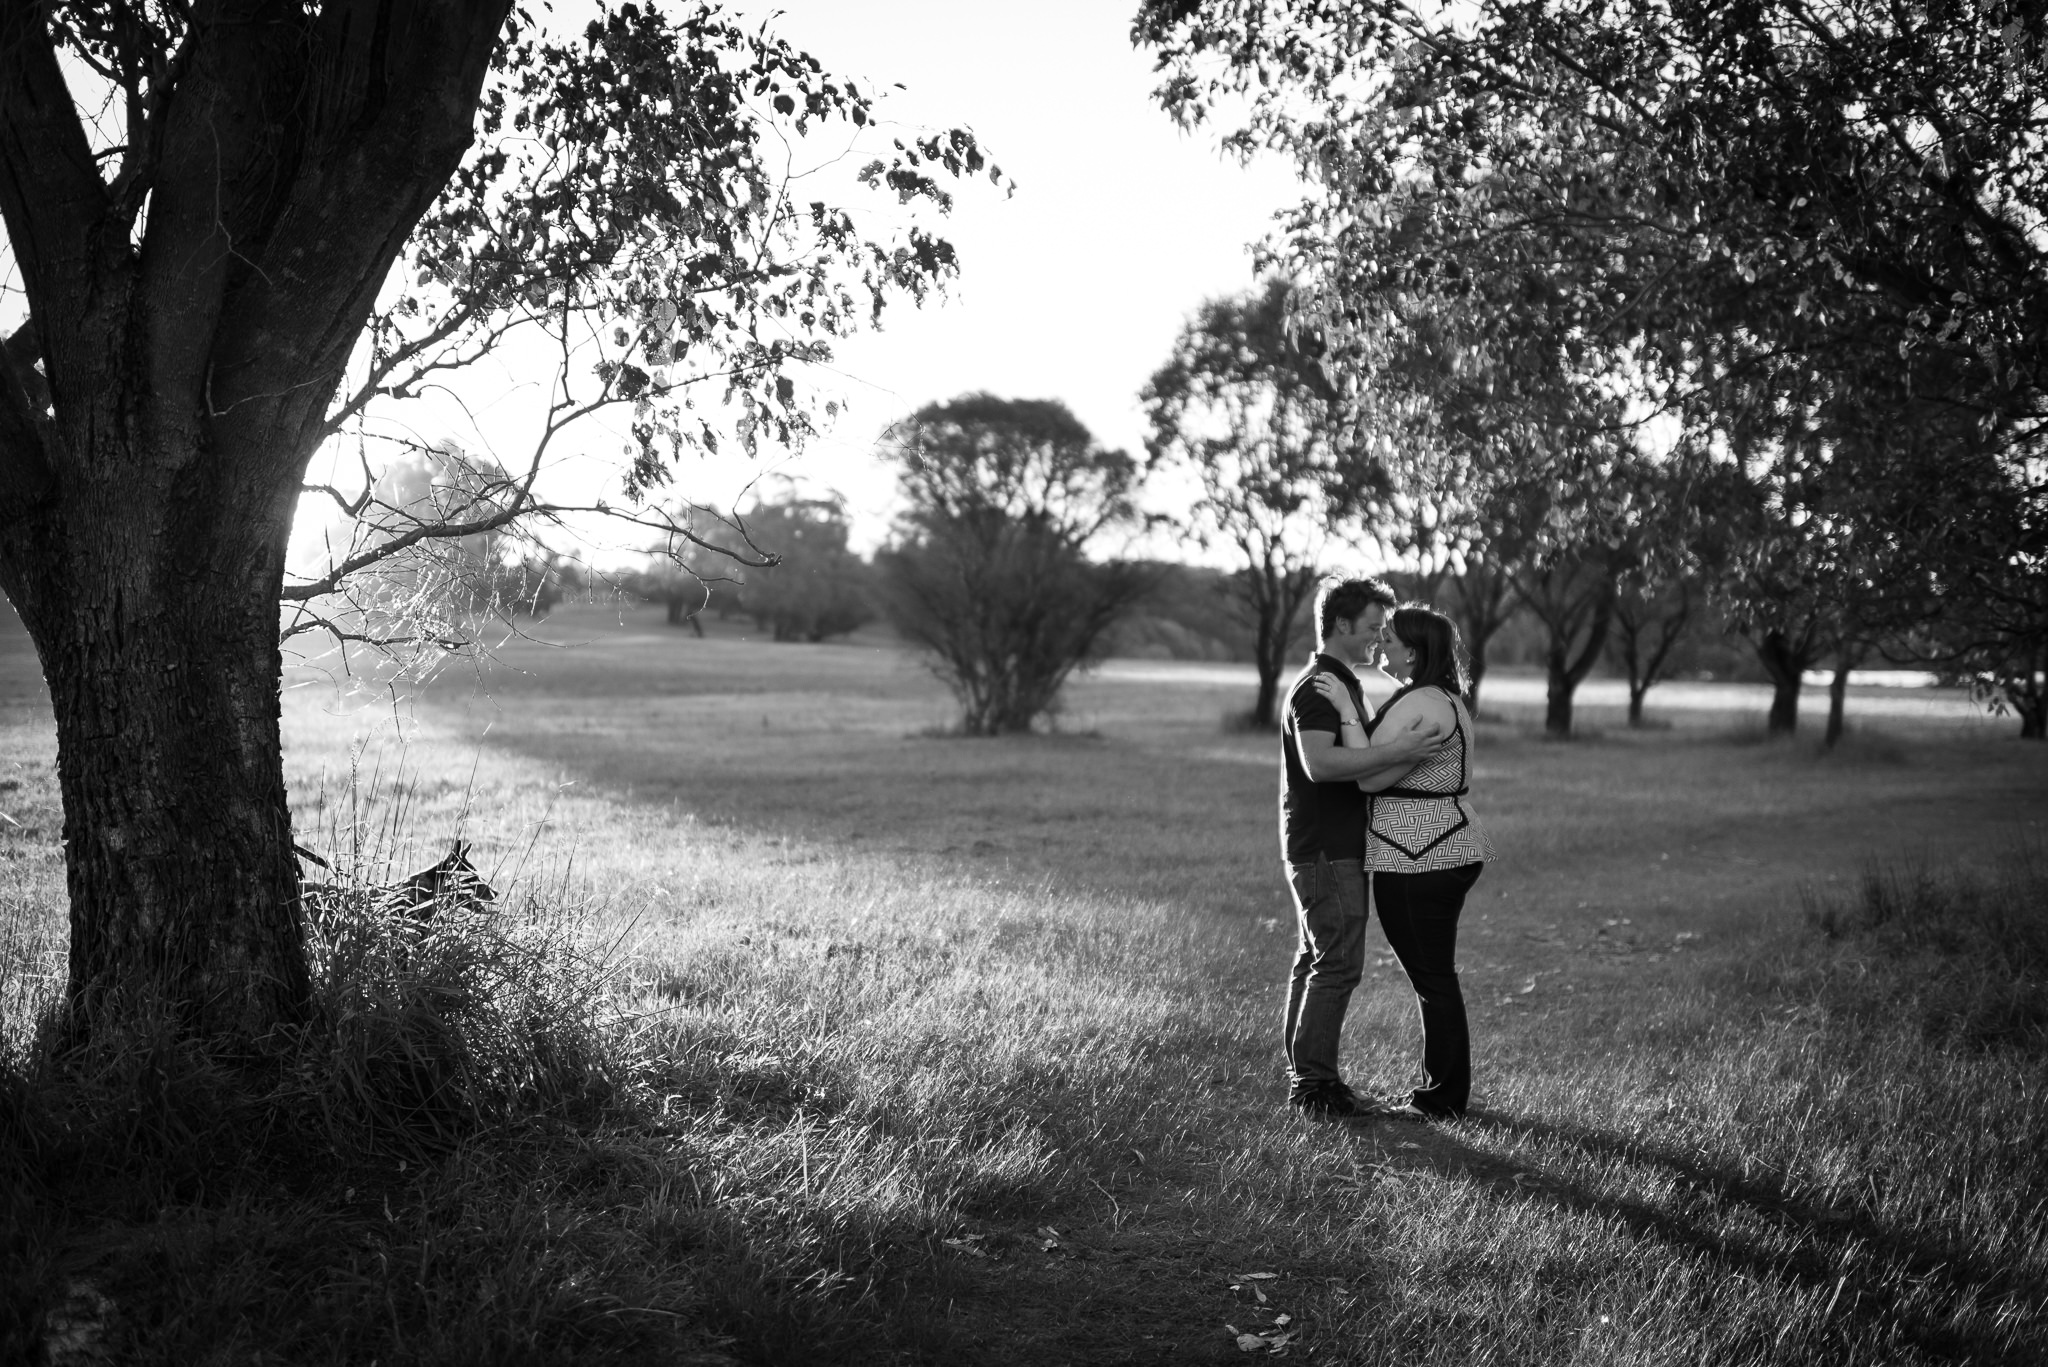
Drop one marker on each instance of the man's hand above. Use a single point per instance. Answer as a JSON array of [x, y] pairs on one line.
[[1422, 739]]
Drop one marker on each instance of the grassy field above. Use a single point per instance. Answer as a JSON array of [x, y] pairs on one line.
[[904, 1048]]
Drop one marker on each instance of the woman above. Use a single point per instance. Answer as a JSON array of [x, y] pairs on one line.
[[1424, 848]]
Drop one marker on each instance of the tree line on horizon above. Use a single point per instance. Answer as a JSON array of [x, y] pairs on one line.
[[819, 588]]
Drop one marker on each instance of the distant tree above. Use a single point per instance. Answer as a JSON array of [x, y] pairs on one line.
[[1657, 588], [817, 587], [1494, 539], [1481, 600], [990, 572], [1571, 593], [1652, 611], [1835, 508], [665, 580], [1243, 407]]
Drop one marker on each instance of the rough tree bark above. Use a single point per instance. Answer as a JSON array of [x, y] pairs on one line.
[[150, 468]]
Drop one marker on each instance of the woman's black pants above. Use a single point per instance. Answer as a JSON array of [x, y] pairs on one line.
[[1419, 913]]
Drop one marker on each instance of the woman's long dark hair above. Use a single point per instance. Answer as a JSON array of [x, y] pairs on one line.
[[1439, 658]]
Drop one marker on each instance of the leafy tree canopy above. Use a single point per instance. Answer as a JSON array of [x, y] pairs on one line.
[[1022, 460], [1816, 234]]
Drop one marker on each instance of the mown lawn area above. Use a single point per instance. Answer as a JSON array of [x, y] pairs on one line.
[[907, 1048]]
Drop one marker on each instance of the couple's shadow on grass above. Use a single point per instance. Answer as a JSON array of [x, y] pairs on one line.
[[1817, 1247]]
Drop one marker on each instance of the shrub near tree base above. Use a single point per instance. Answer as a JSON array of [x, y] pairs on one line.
[[442, 1068]]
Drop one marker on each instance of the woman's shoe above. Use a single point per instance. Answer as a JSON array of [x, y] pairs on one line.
[[1334, 1101]]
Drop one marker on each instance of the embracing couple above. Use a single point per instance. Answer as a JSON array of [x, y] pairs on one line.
[[1373, 812]]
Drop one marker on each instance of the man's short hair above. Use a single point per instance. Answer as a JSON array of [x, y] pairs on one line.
[[1345, 600]]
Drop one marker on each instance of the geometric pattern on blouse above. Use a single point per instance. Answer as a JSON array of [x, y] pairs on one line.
[[1415, 826], [1441, 775], [1423, 811]]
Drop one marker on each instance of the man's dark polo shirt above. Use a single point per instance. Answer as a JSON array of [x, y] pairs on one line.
[[1318, 818]]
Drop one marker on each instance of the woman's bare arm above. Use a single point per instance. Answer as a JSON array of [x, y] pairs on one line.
[[1426, 707]]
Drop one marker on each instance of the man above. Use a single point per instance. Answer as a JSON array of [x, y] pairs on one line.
[[1322, 837]]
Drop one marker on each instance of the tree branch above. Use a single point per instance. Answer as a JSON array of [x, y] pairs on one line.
[[51, 197]]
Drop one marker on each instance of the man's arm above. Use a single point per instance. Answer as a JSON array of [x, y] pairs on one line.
[[1327, 762]]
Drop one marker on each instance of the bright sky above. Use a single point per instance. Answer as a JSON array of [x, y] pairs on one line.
[[1074, 287], [1071, 288]]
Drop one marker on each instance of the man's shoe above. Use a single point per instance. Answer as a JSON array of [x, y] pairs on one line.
[[1333, 1101]]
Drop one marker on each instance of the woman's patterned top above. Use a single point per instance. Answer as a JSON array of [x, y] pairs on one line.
[[1425, 821]]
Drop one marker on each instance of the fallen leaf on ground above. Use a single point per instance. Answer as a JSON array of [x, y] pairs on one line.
[[1274, 1341]]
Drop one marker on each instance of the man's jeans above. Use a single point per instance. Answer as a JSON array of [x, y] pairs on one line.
[[1329, 905]]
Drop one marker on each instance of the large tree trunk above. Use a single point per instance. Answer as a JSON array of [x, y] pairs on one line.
[[164, 679], [156, 418], [149, 581]]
